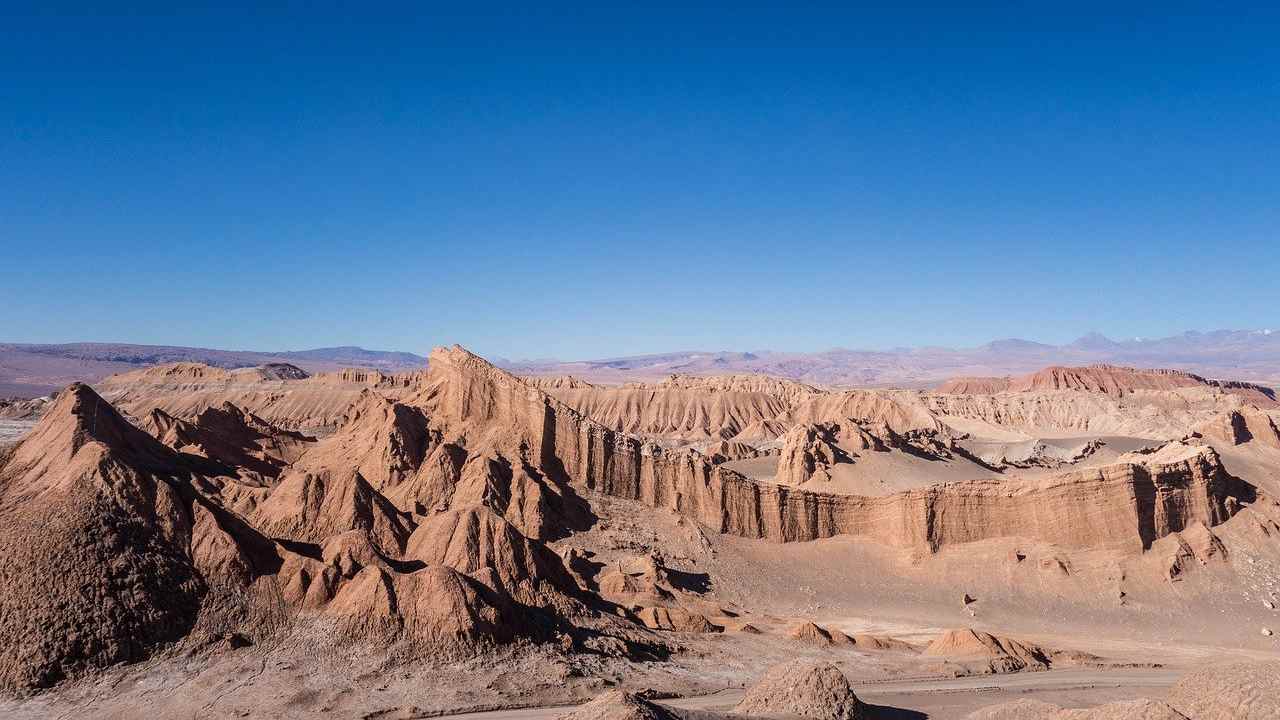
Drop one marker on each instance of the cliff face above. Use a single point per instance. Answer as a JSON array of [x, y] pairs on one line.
[[1124, 506], [1139, 413]]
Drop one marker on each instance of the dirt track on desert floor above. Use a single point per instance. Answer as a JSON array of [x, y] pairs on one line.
[[933, 698]]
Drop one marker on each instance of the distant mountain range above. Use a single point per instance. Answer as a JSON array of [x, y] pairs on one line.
[[28, 369], [1252, 355]]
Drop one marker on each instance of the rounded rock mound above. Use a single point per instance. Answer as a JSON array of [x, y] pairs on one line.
[[1240, 691], [818, 691], [619, 705]]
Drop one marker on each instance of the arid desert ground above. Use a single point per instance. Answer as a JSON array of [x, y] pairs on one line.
[[1087, 542]]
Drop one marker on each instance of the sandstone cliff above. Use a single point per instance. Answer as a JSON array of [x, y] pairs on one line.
[[1124, 506]]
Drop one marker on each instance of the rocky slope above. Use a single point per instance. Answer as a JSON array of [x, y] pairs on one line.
[[120, 544]]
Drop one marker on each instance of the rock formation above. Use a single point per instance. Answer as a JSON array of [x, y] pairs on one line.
[[96, 529], [802, 689], [282, 395], [620, 705], [683, 408], [730, 450], [1039, 454], [810, 450], [1239, 426], [422, 520], [812, 634], [1106, 379], [997, 654], [479, 542], [677, 620], [25, 408], [121, 543], [230, 436]]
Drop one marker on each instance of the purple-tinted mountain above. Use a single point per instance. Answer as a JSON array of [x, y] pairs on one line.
[[30, 370], [1252, 355]]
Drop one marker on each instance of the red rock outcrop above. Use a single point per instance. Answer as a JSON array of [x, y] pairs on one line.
[[677, 620]]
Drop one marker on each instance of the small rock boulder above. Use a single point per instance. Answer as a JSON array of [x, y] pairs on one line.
[[619, 705], [803, 689]]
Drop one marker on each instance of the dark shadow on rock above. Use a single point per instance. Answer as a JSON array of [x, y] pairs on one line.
[[584, 567], [885, 712], [572, 510], [689, 582], [305, 549]]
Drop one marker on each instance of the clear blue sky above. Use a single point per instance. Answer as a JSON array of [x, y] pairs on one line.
[[585, 181]]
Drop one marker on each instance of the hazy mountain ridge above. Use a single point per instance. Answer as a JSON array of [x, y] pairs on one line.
[[34, 369], [1252, 355]]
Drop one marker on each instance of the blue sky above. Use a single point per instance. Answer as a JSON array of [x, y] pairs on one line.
[[593, 181]]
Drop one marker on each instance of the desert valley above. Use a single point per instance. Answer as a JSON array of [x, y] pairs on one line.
[[1093, 541], [636, 361]]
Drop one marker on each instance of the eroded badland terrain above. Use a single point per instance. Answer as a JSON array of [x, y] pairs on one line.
[[1093, 542]]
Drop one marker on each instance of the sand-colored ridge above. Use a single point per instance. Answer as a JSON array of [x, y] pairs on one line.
[[478, 542], [1113, 380], [1001, 654], [289, 399]]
